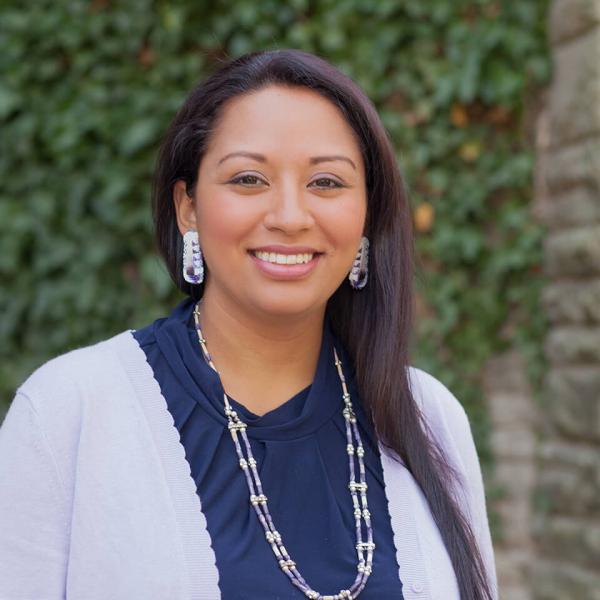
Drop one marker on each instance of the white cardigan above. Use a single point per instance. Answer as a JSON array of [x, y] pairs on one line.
[[97, 501]]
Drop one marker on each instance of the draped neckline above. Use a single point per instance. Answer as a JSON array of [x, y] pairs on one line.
[[301, 415]]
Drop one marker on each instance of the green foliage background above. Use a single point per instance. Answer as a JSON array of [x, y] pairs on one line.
[[88, 88]]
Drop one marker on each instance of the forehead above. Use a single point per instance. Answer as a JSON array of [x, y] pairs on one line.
[[282, 119]]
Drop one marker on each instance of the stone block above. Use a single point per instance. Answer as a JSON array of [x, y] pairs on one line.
[[576, 206], [506, 374], [569, 478], [574, 252], [577, 538], [572, 344], [516, 477], [574, 165], [572, 302], [559, 580], [508, 395], [574, 96], [569, 18], [511, 565], [515, 592], [509, 411], [516, 523], [513, 443], [572, 398]]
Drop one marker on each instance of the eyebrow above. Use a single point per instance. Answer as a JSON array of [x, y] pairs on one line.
[[314, 160]]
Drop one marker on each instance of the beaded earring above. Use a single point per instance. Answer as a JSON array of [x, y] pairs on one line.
[[360, 269], [193, 265]]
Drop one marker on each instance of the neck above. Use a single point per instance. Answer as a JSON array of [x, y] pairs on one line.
[[262, 359]]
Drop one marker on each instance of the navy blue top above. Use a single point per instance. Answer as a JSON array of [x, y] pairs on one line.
[[300, 448]]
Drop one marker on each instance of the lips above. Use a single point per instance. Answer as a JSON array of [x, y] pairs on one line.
[[277, 249], [286, 272]]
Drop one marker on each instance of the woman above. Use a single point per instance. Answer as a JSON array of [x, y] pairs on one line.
[[262, 441]]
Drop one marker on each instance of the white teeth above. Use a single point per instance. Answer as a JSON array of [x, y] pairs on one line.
[[283, 259]]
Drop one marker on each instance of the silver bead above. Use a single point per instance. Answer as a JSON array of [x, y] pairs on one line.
[[365, 546], [286, 564], [273, 536], [260, 499], [360, 487]]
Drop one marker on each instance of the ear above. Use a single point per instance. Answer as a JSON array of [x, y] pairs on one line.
[[184, 208]]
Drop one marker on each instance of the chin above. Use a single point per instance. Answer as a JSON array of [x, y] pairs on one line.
[[288, 305]]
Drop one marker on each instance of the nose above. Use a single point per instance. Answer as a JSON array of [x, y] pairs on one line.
[[289, 210]]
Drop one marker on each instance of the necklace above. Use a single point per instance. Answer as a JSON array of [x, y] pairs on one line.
[[259, 500]]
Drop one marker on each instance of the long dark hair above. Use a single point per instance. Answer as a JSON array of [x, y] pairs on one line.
[[374, 324]]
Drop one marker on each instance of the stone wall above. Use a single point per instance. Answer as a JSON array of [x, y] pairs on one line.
[[566, 503], [547, 453]]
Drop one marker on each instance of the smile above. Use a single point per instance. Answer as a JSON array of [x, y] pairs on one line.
[[283, 259], [285, 267]]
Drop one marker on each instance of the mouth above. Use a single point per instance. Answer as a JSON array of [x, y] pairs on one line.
[[277, 258], [285, 267]]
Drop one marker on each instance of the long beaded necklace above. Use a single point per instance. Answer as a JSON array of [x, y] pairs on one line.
[[259, 500]]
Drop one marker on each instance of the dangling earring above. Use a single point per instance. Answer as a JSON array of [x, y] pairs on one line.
[[359, 272], [193, 266]]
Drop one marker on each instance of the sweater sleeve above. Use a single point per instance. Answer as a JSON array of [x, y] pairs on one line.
[[34, 524]]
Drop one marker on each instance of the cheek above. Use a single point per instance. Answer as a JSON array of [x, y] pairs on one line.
[[224, 225], [345, 226]]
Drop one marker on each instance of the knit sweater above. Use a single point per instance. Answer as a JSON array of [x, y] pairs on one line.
[[97, 501]]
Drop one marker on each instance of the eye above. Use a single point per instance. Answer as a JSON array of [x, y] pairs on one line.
[[336, 184], [246, 180]]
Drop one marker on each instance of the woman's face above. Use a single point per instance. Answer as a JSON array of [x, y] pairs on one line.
[[283, 176]]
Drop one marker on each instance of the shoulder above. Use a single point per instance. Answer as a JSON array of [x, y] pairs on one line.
[[440, 408], [61, 378], [448, 425]]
